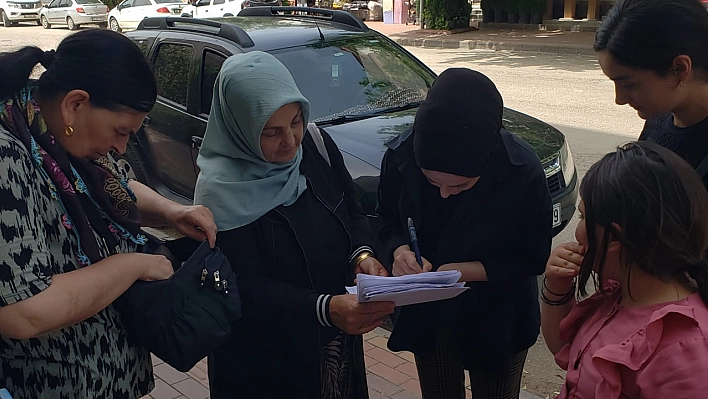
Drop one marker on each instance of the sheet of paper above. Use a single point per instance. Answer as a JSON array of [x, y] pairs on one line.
[[410, 289]]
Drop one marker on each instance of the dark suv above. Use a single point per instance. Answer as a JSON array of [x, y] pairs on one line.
[[364, 90]]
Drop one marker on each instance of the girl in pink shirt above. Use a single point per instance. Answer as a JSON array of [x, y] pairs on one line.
[[643, 237]]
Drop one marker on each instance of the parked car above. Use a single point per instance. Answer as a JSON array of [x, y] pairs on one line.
[[74, 13], [363, 88], [129, 13], [261, 3], [13, 12], [213, 9]]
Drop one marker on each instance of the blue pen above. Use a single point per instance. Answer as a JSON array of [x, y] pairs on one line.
[[414, 242]]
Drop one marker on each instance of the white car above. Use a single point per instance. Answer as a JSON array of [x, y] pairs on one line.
[[129, 13], [213, 9], [74, 13], [14, 11]]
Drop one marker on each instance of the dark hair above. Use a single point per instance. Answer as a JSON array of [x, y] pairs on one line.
[[661, 207], [650, 34], [106, 64]]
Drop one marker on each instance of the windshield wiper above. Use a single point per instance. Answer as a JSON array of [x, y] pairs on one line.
[[366, 115]]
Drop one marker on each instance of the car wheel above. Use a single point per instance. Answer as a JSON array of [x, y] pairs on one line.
[[45, 24], [70, 23], [186, 15], [131, 163], [114, 25], [103, 25], [5, 20], [228, 15]]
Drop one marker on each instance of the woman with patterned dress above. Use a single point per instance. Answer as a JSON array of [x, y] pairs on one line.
[[292, 228], [60, 337]]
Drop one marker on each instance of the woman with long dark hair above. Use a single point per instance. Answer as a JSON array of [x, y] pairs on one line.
[[643, 235], [60, 337], [655, 53]]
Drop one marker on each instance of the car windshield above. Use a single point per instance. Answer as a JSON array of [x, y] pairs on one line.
[[356, 77]]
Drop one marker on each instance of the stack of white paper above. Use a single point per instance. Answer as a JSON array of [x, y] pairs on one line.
[[410, 289]]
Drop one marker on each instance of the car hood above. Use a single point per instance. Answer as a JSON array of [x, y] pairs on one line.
[[366, 139]]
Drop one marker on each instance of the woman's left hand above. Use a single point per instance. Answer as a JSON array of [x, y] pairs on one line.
[[371, 266], [195, 221]]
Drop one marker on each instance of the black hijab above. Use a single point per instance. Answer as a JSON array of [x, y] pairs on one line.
[[456, 128]]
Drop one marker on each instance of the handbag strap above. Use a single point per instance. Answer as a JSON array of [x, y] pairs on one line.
[[702, 167], [319, 141]]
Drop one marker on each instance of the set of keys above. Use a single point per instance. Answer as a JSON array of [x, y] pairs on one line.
[[219, 285]]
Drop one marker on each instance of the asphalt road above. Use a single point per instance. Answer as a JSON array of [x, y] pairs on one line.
[[569, 92]]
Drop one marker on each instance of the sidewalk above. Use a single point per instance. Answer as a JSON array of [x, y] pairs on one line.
[[390, 375], [538, 41]]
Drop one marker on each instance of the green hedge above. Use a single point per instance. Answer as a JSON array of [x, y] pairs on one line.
[[447, 14]]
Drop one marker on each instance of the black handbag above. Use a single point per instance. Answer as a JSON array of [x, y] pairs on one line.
[[184, 318]]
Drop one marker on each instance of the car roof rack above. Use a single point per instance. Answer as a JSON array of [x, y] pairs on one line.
[[225, 30], [338, 16]]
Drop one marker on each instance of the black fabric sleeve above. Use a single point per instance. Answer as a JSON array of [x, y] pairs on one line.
[[261, 295], [392, 234], [359, 227], [521, 247]]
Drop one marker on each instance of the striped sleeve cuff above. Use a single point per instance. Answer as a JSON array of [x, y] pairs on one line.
[[322, 309], [359, 251]]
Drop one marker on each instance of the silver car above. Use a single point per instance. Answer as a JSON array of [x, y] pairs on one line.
[[74, 13]]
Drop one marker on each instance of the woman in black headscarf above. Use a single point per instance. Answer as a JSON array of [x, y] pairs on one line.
[[480, 202]]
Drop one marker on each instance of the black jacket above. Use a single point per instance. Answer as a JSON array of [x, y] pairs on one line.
[[284, 261], [505, 222]]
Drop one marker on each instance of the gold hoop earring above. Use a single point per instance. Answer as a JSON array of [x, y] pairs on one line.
[[69, 131]]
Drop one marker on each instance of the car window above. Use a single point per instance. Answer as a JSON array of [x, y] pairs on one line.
[[55, 3], [210, 68], [88, 2], [171, 70], [167, 1], [144, 45], [65, 3], [355, 76], [139, 3], [126, 4], [219, 2]]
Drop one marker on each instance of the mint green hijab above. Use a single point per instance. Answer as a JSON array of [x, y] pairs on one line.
[[236, 182]]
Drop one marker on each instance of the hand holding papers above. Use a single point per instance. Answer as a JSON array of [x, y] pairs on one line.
[[409, 289]]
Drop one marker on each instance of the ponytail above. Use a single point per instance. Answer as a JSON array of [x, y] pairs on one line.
[[699, 272], [16, 67]]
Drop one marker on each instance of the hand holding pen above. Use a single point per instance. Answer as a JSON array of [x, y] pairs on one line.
[[407, 259]]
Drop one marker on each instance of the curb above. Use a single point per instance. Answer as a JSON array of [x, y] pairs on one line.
[[559, 49]]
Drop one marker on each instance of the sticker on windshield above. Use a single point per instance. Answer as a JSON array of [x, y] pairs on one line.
[[338, 54], [335, 71]]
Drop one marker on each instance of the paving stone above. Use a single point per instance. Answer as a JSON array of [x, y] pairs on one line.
[[192, 389], [382, 386], [405, 395], [408, 368], [169, 374], [389, 374], [412, 386], [385, 357], [164, 391]]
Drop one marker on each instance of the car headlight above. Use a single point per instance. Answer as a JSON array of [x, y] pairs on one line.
[[13, 5], [567, 163], [563, 163]]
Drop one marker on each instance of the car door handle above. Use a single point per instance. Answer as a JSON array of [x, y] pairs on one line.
[[197, 141]]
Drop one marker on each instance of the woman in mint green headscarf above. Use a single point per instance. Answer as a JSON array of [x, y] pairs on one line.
[[295, 235]]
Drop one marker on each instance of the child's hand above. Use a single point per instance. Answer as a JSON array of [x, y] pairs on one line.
[[563, 265]]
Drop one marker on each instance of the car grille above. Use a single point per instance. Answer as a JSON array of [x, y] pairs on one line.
[[556, 183], [27, 6]]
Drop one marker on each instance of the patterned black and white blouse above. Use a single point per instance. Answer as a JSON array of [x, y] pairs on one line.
[[91, 359]]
